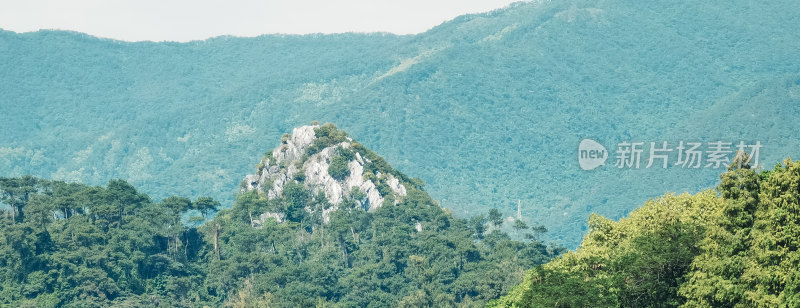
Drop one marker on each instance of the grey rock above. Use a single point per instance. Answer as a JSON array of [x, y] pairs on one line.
[[258, 223], [287, 157]]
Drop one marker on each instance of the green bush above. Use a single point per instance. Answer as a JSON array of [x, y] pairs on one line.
[[338, 168], [327, 135], [300, 176], [357, 194], [270, 158]]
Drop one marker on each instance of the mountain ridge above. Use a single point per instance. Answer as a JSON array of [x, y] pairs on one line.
[[485, 108]]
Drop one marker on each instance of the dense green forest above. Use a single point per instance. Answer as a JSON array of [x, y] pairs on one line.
[[733, 247], [121, 163], [487, 108], [73, 245]]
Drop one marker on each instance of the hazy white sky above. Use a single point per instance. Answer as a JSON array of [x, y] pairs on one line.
[[185, 20]]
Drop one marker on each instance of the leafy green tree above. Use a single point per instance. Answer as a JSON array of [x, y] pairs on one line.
[[478, 224], [296, 198], [40, 210], [205, 205], [16, 192], [640, 261], [520, 225], [248, 206], [715, 279], [338, 168], [495, 218]]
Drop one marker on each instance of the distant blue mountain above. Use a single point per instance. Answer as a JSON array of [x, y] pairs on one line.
[[488, 108]]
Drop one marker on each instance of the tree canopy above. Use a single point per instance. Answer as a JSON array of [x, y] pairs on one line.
[[733, 247], [73, 245]]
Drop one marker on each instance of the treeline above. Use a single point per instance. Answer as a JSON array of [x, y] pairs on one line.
[[72, 245], [65, 244], [734, 247]]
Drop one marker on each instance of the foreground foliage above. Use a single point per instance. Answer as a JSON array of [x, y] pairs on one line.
[[737, 247]]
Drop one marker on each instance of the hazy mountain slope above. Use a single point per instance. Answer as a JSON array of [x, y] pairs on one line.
[[504, 117], [90, 109], [486, 108]]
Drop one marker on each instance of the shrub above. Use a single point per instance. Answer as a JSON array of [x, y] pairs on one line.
[[347, 153], [357, 194], [300, 176], [270, 158], [327, 135], [338, 168]]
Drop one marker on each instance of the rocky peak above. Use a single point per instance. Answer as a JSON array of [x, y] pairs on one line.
[[324, 159]]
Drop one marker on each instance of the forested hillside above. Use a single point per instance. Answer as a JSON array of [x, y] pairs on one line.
[[734, 247], [488, 109], [74, 245]]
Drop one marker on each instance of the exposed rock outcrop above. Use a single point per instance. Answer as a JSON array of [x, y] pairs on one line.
[[306, 157]]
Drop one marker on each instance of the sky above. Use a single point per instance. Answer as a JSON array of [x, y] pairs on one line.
[[186, 20]]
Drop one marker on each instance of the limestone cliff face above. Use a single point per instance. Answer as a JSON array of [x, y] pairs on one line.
[[293, 161]]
